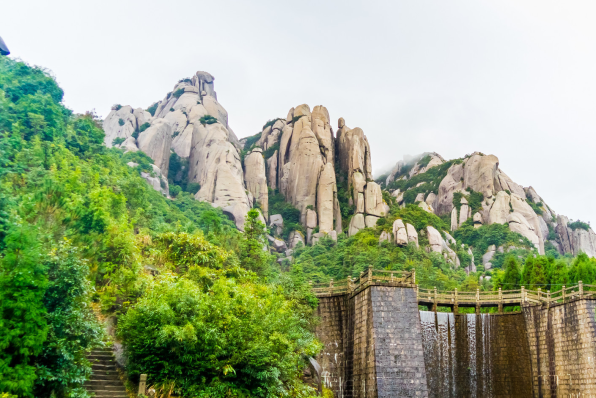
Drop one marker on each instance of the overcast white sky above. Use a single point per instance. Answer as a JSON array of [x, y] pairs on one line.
[[515, 78]]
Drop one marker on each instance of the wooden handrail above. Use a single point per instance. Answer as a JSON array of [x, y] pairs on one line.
[[438, 297]]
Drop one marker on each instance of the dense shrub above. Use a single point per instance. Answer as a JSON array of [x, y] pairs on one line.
[[217, 336], [153, 108], [178, 92], [207, 119], [579, 225]]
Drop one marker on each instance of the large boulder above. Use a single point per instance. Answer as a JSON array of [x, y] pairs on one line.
[[255, 179], [272, 171], [479, 173], [326, 193], [520, 206], [322, 130], [156, 142], [500, 209], [435, 240], [215, 164], [518, 223], [449, 185], [370, 221], [142, 116], [306, 162], [356, 224], [412, 234], [120, 123], [400, 233], [295, 238], [373, 200]]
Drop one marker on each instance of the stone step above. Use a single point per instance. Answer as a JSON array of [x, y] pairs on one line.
[[104, 362], [105, 377], [100, 383], [100, 356], [110, 394], [110, 367], [105, 381], [119, 388]]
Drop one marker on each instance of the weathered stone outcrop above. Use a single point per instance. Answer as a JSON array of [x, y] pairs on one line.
[[215, 164], [156, 142], [326, 194], [255, 179], [120, 123]]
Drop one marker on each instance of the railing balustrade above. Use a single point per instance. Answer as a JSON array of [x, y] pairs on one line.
[[457, 297]]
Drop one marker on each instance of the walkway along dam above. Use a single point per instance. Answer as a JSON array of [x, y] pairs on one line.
[[379, 344]]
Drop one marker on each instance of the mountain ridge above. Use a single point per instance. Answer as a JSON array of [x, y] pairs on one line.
[[325, 174]]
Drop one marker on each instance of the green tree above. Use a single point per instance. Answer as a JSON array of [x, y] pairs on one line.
[[582, 269], [538, 277], [253, 254], [23, 325], [526, 277], [512, 277], [62, 367], [559, 276], [225, 338]]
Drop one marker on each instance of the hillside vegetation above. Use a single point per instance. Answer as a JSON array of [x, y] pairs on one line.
[[79, 229]]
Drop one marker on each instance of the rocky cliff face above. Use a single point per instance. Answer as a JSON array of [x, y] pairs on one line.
[[303, 159], [498, 200], [190, 122]]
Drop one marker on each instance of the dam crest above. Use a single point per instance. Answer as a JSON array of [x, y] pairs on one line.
[[377, 343]]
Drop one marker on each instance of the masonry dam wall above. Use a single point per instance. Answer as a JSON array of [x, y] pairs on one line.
[[378, 344]]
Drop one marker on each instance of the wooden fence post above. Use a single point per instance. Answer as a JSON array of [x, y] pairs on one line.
[[500, 301], [455, 303], [563, 293], [435, 301], [523, 296], [539, 294], [477, 301], [142, 385], [581, 289]]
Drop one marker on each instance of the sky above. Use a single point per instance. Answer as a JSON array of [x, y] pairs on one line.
[[513, 78]]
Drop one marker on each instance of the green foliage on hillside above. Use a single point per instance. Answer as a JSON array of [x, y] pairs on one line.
[[290, 214], [416, 216], [178, 93], [495, 234], [153, 108], [353, 255], [430, 181], [579, 225], [207, 119], [271, 150], [78, 224], [537, 207], [271, 122], [545, 272]]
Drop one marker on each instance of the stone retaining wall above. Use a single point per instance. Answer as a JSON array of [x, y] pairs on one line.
[[562, 342]]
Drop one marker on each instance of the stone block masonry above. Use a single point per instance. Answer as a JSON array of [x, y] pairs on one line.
[[398, 353], [373, 344], [563, 349]]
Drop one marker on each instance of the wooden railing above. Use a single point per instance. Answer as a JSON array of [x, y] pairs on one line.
[[371, 277], [455, 298]]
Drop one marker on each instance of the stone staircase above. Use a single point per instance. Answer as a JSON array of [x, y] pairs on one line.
[[105, 381]]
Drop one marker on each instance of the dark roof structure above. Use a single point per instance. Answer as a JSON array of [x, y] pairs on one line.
[[3, 49]]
